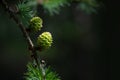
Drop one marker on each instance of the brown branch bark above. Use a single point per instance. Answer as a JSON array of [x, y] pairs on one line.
[[23, 29], [31, 46]]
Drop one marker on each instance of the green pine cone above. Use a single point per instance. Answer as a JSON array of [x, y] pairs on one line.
[[35, 24], [44, 40]]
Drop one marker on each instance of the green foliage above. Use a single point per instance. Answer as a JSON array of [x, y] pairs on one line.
[[50, 75], [88, 6], [27, 9], [35, 73], [35, 24], [45, 40], [53, 6]]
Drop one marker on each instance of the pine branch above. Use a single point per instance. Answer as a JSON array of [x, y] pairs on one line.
[[23, 29], [31, 46], [38, 67]]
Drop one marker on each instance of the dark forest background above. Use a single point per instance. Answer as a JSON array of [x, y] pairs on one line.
[[83, 49]]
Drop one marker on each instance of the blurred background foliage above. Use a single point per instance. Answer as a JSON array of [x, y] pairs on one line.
[[82, 43]]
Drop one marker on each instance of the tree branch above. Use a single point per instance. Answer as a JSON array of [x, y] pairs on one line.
[[32, 48], [23, 29]]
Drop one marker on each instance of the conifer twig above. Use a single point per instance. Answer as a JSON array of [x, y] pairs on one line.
[[23, 29], [31, 46]]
